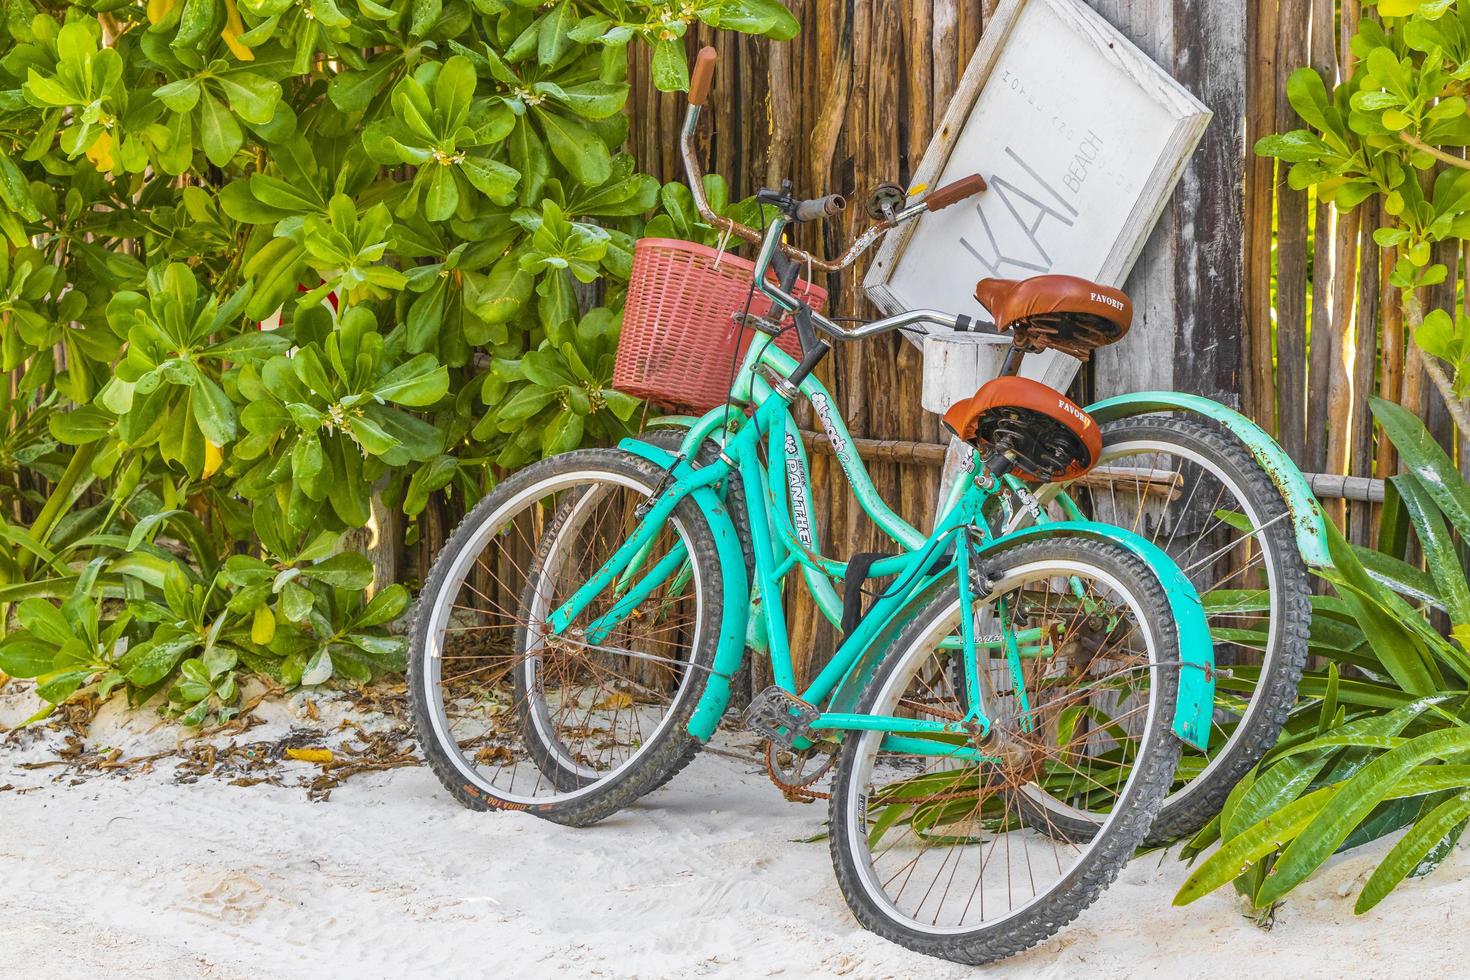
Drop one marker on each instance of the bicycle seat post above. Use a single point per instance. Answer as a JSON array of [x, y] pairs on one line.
[[1012, 364]]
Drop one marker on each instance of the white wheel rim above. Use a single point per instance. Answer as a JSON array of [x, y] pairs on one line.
[[443, 601]]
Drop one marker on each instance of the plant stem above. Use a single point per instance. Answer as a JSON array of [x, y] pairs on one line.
[[1414, 317], [1435, 152], [1447, 390]]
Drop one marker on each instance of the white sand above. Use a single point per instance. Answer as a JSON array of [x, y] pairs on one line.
[[142, 877]]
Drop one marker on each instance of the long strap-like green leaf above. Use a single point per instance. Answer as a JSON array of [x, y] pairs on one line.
[[1356, 799], [1412, 849]]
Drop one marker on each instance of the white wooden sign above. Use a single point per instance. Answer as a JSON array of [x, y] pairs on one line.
[[1081, 138]]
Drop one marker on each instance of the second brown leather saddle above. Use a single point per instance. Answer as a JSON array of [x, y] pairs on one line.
[[1062, 313]]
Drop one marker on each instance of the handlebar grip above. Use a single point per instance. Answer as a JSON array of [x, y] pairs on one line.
[[955, 192], [703, 76], [820, 207]]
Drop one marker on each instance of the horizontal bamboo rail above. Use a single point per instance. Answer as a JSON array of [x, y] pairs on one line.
[[1326, 485]]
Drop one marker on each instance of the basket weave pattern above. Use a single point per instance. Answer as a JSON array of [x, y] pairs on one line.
[[678, 343]]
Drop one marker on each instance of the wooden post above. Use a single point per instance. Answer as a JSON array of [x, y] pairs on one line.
[[1188, 285], [1327, 267], [1367, 357], [1259, 377], [1291, 249]]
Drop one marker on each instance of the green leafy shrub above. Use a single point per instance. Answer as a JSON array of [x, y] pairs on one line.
[[430, 202], [1379, 742], [1393, 134]]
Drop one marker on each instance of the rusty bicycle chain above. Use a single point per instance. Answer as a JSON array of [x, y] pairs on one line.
[[798, 792]]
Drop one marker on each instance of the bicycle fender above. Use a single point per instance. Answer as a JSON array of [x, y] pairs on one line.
[[1196, 705], [730, 653], [1306, 514]]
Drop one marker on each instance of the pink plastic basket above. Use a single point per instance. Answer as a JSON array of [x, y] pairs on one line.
[[678, 340]]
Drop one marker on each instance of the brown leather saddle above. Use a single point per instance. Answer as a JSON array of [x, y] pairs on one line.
[[1045, 435], [1062, 313]]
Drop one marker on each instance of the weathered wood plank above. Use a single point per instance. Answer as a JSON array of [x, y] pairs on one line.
[[1337, 416], [1325, 269], [1391, 354], [1291, 250], [1258, 382], [1208, 213], [1360, 456]]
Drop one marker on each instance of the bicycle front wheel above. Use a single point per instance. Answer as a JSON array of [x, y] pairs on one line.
[[953, 857], [575, 724]]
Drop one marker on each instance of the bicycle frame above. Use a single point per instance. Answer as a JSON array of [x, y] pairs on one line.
[[781, 543]]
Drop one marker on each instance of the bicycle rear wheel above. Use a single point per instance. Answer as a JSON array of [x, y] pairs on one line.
[[574, 725], [945, 856], [1195, 492]]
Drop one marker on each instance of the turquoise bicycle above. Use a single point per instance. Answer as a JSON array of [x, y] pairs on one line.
[[1002, 721]]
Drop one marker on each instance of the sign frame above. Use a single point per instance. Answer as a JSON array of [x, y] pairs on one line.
[[1189, 117]]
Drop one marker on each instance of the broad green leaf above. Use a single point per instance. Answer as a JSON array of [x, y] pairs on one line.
[[1433, 468], [348, 570], [22, 655], [151, 663], [372, 437], [1308, 96], [434, 475], [554, 38], [1390, 638], [213, 410], [249, 346], [219, 134], [416, 383], [384, 607], [296, 602], [563, 433], [56, 688], [1439, 550], [45, 622], [767, 17], [318, 669], [1238, 853], [426, 14], [80, 425], [309, 465], [576, 147], [670, 69], [442, 197], [250, 95]]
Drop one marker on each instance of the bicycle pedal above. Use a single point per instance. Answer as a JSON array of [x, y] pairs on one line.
[[780, 716]]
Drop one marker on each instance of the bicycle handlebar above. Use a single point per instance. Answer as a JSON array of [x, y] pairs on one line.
[[954, 193], [821, 207], [701, 81], [703, 76]]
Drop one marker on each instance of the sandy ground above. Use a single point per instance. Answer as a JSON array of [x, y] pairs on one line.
[[130, 873]]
